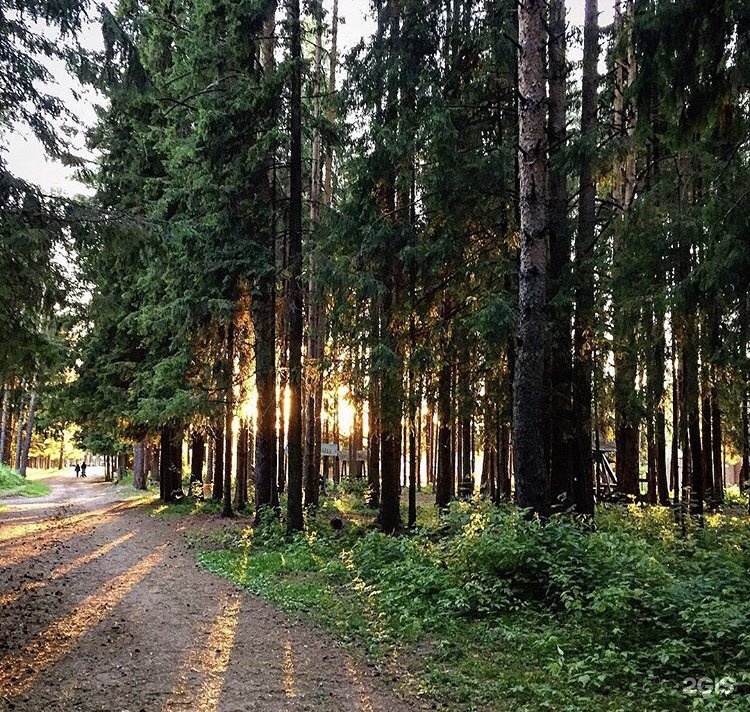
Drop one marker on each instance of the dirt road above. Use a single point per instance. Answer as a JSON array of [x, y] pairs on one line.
[[102, 607]]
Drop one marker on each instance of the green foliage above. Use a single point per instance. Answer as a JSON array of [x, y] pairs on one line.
[[518, 615], [13, 485]]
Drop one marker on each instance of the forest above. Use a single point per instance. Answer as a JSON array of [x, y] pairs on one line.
[[443, 331]]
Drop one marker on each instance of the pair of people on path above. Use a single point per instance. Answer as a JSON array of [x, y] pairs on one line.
[[80, 469]]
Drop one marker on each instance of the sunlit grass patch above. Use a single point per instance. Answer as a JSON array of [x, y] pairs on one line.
[[13, 485]]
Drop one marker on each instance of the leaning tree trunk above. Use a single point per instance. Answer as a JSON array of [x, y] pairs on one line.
[[529, 400]]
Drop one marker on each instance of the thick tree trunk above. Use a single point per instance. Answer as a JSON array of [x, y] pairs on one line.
[[558, 361], [625, 395], [529, 399], [295, 521], [316, 304], [170, 463], [198, 456], [391, 407]]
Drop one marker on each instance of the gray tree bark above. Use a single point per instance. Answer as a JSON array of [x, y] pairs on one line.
[[529, 400]]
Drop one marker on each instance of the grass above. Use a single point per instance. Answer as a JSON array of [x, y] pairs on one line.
[[484, 610], [13, 485]]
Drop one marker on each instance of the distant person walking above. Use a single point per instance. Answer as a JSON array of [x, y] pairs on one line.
[[83, 469], [77, 469]]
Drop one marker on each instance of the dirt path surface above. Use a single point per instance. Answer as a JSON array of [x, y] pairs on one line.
[[102, 607]]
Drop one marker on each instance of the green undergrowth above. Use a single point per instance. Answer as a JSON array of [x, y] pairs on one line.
[[13, 485], [189, 505], [485, 610], [126, 491]]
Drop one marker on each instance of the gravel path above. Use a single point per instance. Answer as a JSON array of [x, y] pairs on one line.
[[102, 607]]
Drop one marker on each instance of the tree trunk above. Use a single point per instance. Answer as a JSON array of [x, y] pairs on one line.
[[26, 445], [228, 422], [20, 427], [264, 321], [170, 463], [4, 424], [443, 485], [265, 379], [412, 436], [625, 396], [316, 304], [198, 456], [295, 521], [558, 364], [242, 465], [674, 468], [373, 412], [218, 473], [210, 461], [139, 465], [529, 399]]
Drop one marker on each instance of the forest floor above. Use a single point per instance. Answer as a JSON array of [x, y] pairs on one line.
[[104, 608]]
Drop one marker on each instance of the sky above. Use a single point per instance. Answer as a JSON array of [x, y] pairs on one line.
[[26, 158]]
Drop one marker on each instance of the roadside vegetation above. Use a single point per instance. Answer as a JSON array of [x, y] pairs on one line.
[[484, 609], [13, 485]]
